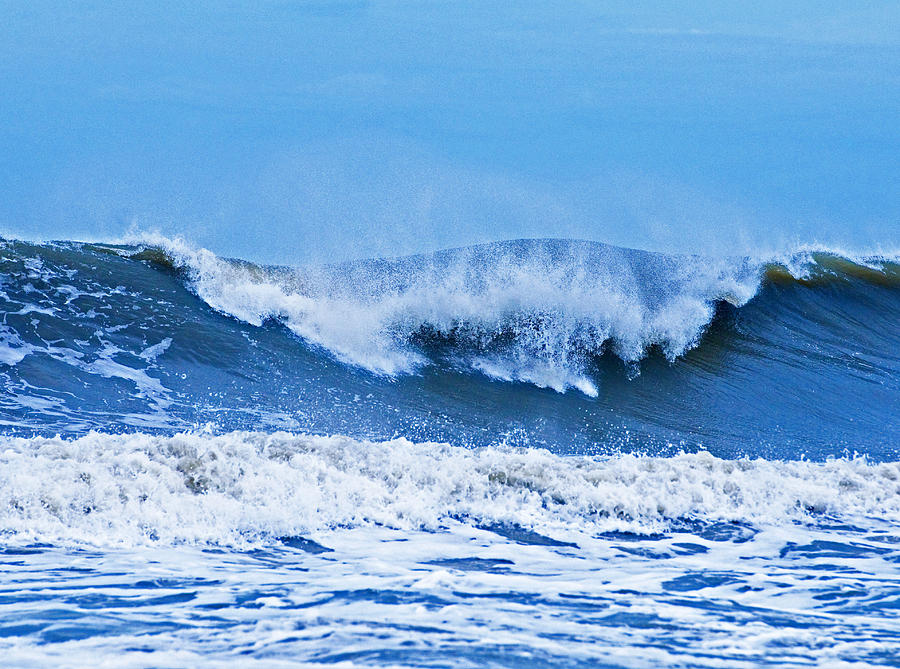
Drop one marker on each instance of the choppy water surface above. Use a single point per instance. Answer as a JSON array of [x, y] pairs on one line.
[[463, 596], [527, 453]]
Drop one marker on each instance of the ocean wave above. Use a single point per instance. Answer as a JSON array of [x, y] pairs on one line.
[[244, 487], [537, 311], [771, 356]]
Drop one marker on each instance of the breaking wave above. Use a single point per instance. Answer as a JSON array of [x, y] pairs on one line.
[[537, 311], [775, 357], [244, 487]]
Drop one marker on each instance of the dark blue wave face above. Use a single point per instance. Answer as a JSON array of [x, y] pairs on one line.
[[142, 338]]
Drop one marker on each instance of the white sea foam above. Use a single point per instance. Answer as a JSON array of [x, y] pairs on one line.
[[12, 349], [151, 353], [528, 311], [239, 487]]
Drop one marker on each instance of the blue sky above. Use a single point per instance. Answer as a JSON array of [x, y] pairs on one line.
[[289, 132]]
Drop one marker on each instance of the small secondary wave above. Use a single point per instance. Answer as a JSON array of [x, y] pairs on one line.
[[243, 487]]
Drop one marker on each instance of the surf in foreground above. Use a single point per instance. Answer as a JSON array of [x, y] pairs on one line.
[[270, 549], [538, 452]]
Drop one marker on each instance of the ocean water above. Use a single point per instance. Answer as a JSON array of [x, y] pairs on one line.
[[524, 453]]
